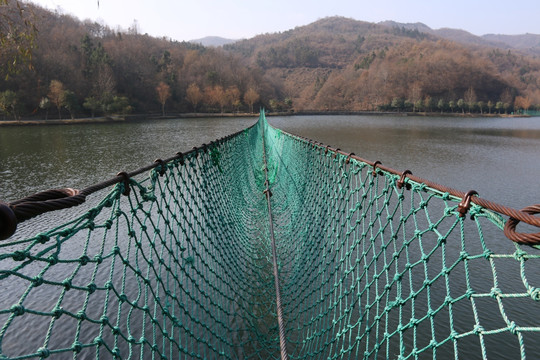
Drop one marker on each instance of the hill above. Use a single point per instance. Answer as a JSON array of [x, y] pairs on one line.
[[86, 69], [215, 41], [529, 43], [339, 63]]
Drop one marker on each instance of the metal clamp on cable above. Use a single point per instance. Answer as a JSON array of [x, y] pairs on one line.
[[125, 179], [465, 204], [375, 164], [401, 180], [162, 167]]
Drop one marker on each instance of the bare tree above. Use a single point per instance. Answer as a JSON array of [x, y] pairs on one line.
[[56, 95], [507, 99], [233, 97], [522, 102], [194, 95], [470, 97], [104, 84], [215, 95], [415, 95], [164, 93], [251, 97], [17, 35]]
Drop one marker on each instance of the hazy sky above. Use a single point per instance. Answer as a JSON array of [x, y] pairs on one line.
[[193, 19]]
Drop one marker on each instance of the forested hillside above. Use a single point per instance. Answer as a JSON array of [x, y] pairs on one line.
[[84, 68], [87, 69], [343, 64]]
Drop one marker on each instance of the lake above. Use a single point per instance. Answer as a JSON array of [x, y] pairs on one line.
[[498, 157], [495, 156]]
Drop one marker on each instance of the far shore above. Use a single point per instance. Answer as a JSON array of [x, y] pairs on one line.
[[129, 118]]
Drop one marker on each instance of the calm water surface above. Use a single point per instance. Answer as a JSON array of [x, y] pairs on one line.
[[36, 158], [496, 157]]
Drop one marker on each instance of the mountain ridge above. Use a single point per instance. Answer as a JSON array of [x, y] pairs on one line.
[[527, 42], [215, 41]]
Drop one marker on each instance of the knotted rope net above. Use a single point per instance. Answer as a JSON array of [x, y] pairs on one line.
[[178, 263]]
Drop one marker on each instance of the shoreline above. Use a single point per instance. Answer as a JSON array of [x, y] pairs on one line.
[[131, 118]]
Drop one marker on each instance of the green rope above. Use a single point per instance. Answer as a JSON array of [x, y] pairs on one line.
[[182, 267]]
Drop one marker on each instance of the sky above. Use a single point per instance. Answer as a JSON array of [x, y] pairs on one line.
[[238, 19]]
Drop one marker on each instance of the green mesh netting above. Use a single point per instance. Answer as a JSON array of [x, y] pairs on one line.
[[182, 267]]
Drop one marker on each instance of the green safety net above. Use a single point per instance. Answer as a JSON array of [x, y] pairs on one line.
[[181, 267]]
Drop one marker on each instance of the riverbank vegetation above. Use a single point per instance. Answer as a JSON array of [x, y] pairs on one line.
[[86, 69]]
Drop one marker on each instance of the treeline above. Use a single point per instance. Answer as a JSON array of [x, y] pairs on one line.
[[430, 76], [88, 69]]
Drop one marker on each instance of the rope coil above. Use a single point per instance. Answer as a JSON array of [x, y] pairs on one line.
[[34, 205], [522, 238]]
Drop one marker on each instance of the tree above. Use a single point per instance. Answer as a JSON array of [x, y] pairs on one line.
[[415, 95], [164, 93], [506, 97], [288, 103], [452, 105], [490, 105], [461, 104], [17, 35], [93, 104], [441, 105], [251, 97], [104, 84], [507, 100], [56, 93], [233, 97], [70, 102], [481, 106], [118, 105], [397, 103], [499, 106], [418, 104], [428, 103], [522, 102], [8, 101], [221, 97], [45, 104], [194, 95], [274, 105], [507, 107], [215, 95], [470, 98]]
